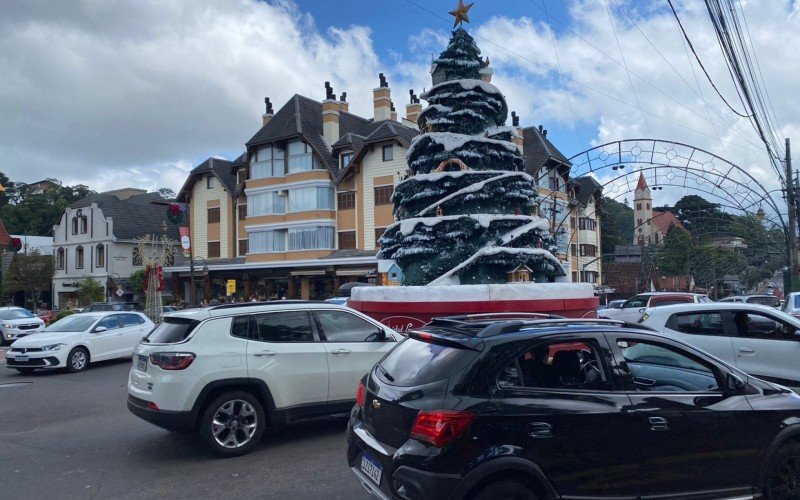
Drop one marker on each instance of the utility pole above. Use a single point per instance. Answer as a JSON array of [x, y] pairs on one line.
[[791, 201]]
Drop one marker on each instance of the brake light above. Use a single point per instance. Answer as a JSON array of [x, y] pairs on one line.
[[172, 360], [152, 405], [360, 395], [441, 428]]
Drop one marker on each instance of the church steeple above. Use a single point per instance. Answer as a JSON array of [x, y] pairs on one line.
[[643, 214]]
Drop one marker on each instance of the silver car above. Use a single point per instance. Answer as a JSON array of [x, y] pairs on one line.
[[16, 322]]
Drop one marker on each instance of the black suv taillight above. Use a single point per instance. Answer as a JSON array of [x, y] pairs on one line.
[[172, 360], [441, 427]]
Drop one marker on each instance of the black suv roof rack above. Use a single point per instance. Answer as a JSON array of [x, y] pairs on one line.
[[501, 328], [501, 316]]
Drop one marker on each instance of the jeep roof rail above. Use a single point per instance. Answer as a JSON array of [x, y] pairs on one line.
[[266, 303]]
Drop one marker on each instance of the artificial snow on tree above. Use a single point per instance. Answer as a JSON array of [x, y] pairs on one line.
[[460, 210]]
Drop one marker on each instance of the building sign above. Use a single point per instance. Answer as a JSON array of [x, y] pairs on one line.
[[186, 242], [231, 287]]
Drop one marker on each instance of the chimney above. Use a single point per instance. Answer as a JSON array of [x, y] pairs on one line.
[[267, 116], [330, 116], [486, 72], [343, 104], [518, 137], [414, 108], [382, 100], [393, 113]]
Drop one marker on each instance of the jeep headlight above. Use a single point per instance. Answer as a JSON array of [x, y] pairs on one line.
[[54, 347]]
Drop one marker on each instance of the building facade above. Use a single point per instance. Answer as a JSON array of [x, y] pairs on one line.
[[96, 238]]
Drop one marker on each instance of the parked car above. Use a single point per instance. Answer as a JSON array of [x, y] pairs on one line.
[[614, 304], [16, 322], [47, 315], [764, 300], [227, 370], [757, 339], [633, 308], [77, 340], [791, 304], [112, 306], [488, 412]]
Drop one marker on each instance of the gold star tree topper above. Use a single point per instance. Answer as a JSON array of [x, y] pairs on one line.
[[461, 13]]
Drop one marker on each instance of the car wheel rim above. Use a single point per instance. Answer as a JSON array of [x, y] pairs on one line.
[[786, 479], [79, 360], [234, 424]]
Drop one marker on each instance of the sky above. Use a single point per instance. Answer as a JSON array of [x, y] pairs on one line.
[[114, 94]]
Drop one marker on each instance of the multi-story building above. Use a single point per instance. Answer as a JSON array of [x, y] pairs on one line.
[[299, 213], [96, 237], [585, 248]]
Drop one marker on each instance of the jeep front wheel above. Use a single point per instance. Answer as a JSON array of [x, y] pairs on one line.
[[232, 424]]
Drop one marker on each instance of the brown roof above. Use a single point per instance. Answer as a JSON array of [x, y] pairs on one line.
[[663, 220], [642, 184]]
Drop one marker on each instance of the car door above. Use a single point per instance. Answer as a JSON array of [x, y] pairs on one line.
[[766, 345], [285, 353], [556, 402], [632, 309], [106, 344], [697, 434], [353, 346], [134, 327], [706, 329]]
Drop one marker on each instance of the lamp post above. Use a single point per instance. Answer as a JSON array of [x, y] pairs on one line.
[[192, 291]]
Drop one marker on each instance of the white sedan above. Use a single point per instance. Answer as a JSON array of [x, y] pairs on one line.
[[756, 339], [75, 341]]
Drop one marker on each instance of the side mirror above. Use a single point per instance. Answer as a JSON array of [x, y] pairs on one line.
[[641, 309], [734, 384], [99, 329]]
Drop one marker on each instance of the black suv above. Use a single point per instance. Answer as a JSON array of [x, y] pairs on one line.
[[567, 409]]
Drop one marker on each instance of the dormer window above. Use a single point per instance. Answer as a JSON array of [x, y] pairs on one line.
[[301, 158], [266, 162], [345, 159]]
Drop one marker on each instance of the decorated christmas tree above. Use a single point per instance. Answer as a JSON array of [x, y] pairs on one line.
[[463, 208]]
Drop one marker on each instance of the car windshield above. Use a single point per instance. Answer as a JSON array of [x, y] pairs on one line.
[[15, 314], [764, 301], [77, 323]]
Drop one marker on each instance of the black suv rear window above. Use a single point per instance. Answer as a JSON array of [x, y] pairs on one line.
[[414, 362], [172, 330]]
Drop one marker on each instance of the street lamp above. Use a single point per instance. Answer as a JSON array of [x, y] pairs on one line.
[[192, 291]]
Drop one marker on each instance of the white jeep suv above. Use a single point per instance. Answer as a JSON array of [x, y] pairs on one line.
[[228, 370]]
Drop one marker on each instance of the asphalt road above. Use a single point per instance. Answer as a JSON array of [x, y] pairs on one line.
[[71, 436]]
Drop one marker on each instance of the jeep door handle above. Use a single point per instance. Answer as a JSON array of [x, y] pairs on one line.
[[340, 351], [747, 350], [540, 430], [265, 353], [658, 423]]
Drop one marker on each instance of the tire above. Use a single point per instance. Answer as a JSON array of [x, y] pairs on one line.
[[783, 479], [240, 422], [25, 371], [77, 360], [507, 489]]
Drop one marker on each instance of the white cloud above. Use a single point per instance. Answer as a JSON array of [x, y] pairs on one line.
[[129, 93]]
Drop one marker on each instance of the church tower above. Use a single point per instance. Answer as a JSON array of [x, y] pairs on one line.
[[643, 227]]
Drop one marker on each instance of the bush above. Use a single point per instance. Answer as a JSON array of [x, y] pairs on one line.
[[63, 314]]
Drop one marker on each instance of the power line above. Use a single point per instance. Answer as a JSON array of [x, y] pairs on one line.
[[697, 57]]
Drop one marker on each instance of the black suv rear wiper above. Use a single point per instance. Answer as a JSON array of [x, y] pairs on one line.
[[385, 373]]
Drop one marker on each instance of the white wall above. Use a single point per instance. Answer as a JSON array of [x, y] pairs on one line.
[[199, 213], [373, 166]]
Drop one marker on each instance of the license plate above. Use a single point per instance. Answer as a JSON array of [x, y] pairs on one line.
[[21, 359], [372, 468], [141, 363]]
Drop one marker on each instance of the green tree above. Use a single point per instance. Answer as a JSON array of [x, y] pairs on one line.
[[30, 273], [35, 214], [677, 255], [9, 192], [701, 217], [136, 280], [616, 222], [90, 291], [167, 193]]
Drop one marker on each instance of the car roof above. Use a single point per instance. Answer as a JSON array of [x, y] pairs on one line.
[[692, 294], [200, 313], [710, 306]]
